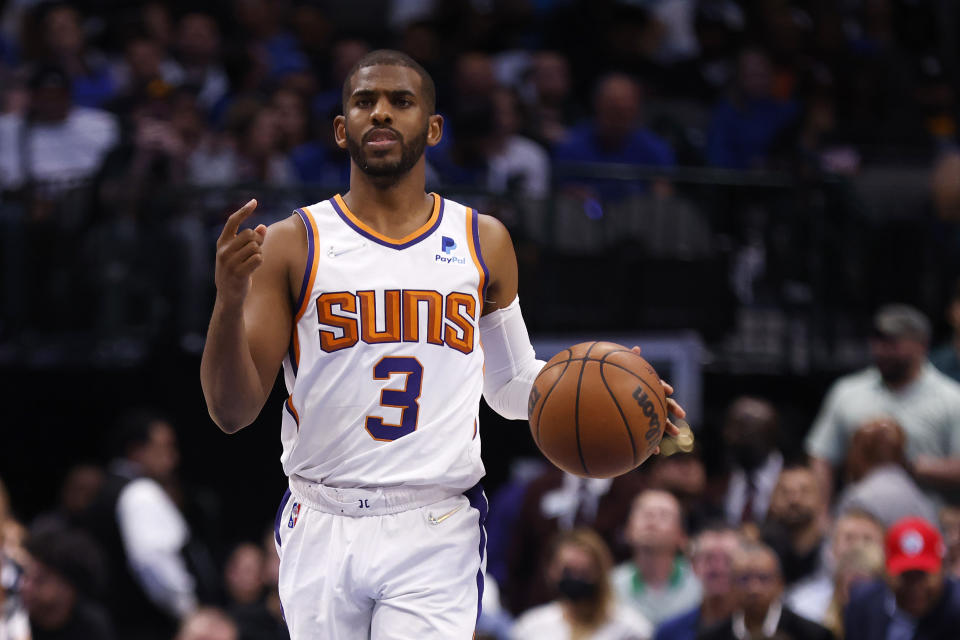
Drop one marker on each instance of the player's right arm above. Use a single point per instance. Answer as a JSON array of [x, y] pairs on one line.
[[250, 326]]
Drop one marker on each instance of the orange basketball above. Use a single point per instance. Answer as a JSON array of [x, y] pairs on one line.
[[597, 409]]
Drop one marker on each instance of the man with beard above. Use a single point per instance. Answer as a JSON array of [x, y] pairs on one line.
[[796, 524], [903, 385], [375, 302]]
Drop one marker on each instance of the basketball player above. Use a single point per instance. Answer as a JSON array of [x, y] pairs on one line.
[[388, 291]]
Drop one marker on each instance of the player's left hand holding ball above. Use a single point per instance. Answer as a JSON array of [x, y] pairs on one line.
[[673, 407]]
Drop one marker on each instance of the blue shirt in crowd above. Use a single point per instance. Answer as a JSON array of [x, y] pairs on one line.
[[640, 147], [740, 136], [682, 627]]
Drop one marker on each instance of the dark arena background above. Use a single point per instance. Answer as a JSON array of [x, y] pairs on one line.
[[741, 187]]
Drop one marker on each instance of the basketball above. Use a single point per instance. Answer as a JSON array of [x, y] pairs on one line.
[[597, 410]]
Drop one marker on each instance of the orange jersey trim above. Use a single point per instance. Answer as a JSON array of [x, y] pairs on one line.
[[367, 229]]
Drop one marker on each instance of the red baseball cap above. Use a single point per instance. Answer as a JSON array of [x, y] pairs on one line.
[[913, 544]]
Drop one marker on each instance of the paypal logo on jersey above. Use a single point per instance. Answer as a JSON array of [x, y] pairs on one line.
[[447, 245]]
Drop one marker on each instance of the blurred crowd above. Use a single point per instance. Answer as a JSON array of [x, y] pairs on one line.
[[112, 111], [855, 533], [121, 122]]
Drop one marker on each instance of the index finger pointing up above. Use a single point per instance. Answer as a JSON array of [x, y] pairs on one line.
[[238, 216]]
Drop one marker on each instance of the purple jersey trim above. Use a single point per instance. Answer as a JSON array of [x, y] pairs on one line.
[[311, 256], [475, 223], [478, 501], [409, 243], [276, 523]]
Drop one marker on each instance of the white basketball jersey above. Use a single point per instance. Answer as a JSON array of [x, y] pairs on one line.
[[385, 368]]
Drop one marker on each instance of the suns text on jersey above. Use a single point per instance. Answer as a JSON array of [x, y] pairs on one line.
[[347, 317]]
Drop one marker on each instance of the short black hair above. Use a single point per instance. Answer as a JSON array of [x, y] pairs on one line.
[[389, 57], [70, 552], [133, 429]]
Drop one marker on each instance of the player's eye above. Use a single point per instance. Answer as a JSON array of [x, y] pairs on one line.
[[403, 102]]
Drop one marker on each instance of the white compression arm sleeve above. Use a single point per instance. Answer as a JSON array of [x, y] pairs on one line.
[[510, 364]]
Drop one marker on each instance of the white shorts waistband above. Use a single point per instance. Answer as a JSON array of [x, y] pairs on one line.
[[375, 501]]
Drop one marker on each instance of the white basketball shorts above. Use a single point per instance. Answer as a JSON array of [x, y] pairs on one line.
[[387, 563]]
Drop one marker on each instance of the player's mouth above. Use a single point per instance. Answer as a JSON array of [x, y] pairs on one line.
[[381, 138]]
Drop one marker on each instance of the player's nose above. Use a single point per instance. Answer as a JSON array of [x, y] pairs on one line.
[[381, 113]]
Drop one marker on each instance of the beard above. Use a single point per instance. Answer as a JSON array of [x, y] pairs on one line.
[[894, 371], [390, 171]]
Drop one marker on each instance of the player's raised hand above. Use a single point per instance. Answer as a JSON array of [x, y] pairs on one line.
[[239, 253]]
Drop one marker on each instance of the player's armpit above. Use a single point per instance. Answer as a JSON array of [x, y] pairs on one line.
[[501, 260]]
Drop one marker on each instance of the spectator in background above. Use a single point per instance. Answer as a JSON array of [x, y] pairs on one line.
[[857, 566], [711, 555], [745, 125], [946, 357], [750, 432], [64, 42], [796, 522], [553, 109], [614, 136], [950, 525], [208, 624], [718, 26], [812, 596], [814, 145], [246, 593], [198, 53], [78, 491], [658, 582], [57, 141], [270, 42], [146, 246], [901, 384], [46, 153], [484, 151], [760, 612], [918, 600], [139, 526], [474, 76], [879, 481], [63, 575], [309, 157], [585, 608], [252, 152], [556, 501], [518, 165], [14, 622], [144, 71], [271, 576], [683, 474], [344, 53]]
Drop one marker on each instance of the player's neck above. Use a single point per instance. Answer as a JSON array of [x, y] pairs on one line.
[[396, 209]]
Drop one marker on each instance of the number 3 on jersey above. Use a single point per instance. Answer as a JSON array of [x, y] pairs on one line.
[[404, 399]]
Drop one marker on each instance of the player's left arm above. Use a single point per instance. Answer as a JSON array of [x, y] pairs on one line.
[[511, 365]]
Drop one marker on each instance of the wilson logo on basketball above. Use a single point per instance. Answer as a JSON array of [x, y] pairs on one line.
[[649, 411]]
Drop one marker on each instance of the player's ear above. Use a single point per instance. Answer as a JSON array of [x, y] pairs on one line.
[[434, 129], [340, 131]]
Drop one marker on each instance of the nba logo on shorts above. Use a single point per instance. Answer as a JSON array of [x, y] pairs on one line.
[[294, 514], [447, 244]]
